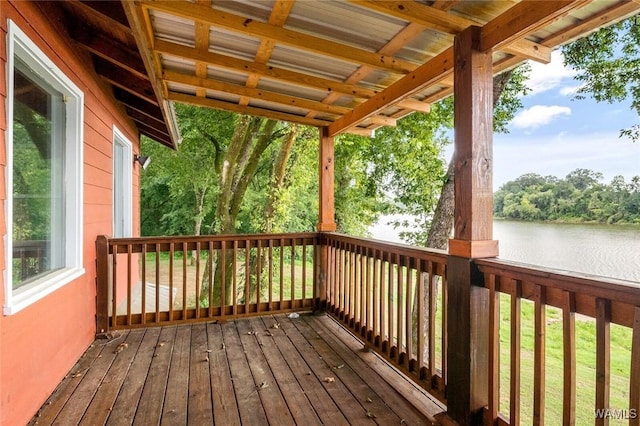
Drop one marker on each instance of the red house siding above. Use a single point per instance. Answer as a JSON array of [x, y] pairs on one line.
[[40, 343]]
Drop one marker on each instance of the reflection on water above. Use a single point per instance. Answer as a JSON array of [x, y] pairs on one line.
[[612, 251]]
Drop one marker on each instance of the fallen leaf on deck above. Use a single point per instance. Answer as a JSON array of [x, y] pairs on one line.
[[329, 379], [250, 332], [206, 359], [263, 385], [337, 367], [371, 415], [369, 400], [121, 347], [208, 351], [276, 325], [222, 346], [161, 344]]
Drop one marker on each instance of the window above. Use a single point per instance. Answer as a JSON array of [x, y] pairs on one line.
[[44, 175], [122, 185]]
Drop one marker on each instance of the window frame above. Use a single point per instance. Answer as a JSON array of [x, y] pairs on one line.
[[20, 45], [120, 141]]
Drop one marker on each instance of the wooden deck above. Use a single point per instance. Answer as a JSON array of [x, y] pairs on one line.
[[255, 371]]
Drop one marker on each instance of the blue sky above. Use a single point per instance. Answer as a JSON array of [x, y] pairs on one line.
[[554, 134]]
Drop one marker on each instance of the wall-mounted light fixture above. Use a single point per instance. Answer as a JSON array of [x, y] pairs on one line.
[[143, 160]]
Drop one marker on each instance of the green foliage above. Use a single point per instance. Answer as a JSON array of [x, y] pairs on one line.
[[580, 196], [608, 65]]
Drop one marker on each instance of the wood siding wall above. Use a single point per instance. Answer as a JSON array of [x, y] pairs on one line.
[[40, 343]]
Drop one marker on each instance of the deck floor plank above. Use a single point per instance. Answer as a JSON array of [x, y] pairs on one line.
[[152, 398], [175, 401], [372, 403], [388, 396], [249, 403], [268, 388], [344, 399], [211, 373], [98, 411], [225, 406], [301, 409], [311, 385], [124, 409], [83, 394], [199, 408], [56, 402]]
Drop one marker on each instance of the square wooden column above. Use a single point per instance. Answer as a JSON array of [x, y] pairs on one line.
[[326, 213], [468, 302], [326, 208]]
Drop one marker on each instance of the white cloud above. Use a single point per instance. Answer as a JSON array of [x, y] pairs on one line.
[[544, 77], [539, 115], [570, 90]]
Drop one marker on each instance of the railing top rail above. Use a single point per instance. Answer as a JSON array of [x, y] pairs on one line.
[[435, 255], [204, 238], [607, 288]]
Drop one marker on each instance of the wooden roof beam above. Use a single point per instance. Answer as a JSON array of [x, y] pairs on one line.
[[431, 72], [299, 40], [233, 107], [522, 19], [430, 17]]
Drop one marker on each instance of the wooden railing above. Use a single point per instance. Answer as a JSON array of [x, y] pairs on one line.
[[29, 258], [380, 291], [160, 281], [537, 299], [395, 298]]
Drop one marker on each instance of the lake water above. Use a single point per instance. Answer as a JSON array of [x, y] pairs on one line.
[[612, 251], [607, 250]]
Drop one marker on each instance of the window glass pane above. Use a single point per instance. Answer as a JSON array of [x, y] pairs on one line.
[[38, 163]]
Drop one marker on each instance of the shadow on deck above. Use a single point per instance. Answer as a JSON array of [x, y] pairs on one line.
[[260, 370]]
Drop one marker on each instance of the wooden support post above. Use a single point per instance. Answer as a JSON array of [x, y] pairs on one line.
[[326, 212], [467, 302], [102, 285], [326, 209]]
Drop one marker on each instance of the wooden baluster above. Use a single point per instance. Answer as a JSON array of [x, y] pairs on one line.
[[361, 288], [293, 272], [420, 283], [377, 273], [494, 350], [400, 300], [281, 274], [270, 256], [211, 272], [171, 255], [408, 326], [234, 275], [539, 356], [258, 272], [129, 284], [197, 295], [516, 320], [185, 254], [247, 275], [390, 298], [432, 307], [444, 333], [603, 356], [114, 286], [143, 286], [634, 378], [304, 273], [569, 358], [384, 265], [223, 277], [157, 315], [352, 284], [367, 298]]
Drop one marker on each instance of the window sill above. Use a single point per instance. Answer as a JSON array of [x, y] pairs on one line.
[[39, 289]]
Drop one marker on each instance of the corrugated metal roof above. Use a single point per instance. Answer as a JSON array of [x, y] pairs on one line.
[[290, 60]]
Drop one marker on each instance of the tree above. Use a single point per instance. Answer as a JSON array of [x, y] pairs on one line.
[[608, 65]]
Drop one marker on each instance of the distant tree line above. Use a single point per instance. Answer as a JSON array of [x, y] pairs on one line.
[[579, 197]]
